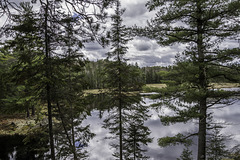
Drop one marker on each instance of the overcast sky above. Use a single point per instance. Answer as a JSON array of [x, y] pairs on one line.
[[144, 51]]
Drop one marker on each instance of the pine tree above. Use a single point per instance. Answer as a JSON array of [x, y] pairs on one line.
[[186, 154], [202, 26]]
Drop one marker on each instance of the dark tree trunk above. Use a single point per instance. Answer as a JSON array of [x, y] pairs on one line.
[[33, 111], [120, 131], [48, 88], [50, 126], [202, 86], [134, 144], [71, 143], [202, 131], [73, 135], [27, 109]]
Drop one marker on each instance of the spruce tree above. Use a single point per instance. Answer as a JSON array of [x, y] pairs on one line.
[[52, 67], [216, 148], [25, 45], [115, 72], [121, 78], [202, 26]]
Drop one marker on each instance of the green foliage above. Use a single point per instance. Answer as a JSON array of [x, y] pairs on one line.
[[25, 46], [216, 148], [37, 140], [148, 89], [175, 140], [7, 87], [95, 75], [186, 154], [153, 74], [121, 78]]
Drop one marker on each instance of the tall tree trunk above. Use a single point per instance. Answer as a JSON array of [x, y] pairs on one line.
[[120, 130], [134, 143], [202, 131], [73, 140], [120, 106], [48, 88], [50, 123], [202, 86]]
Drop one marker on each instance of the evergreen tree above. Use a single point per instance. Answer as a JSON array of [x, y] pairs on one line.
[[216, 148], [136, 135], [25, 46], [202, 26], [48, 72], [85, 26], [116, 70], [8, 88], [186, 154], [119, 81]]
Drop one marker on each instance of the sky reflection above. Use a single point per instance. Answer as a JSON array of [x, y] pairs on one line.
[[99, 148]]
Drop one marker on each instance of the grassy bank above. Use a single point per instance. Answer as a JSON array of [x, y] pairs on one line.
[[15, 124], [157, 87], [225, 85]]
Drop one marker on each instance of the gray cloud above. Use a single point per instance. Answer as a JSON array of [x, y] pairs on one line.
[[93, 46], [142, 46], [153, 60], [149, 59], [134, 10], [168, 58]]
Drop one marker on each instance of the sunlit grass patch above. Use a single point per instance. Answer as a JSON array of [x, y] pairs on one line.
[[94, 91], [153, 87], [156, 85], [224, 85]]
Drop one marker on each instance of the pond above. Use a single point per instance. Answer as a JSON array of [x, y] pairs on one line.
[[104, 142], [99, 148]]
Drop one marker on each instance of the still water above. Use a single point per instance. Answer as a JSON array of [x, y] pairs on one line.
[[101, 148]]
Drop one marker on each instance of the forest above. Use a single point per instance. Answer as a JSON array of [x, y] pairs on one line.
[[138, 112]]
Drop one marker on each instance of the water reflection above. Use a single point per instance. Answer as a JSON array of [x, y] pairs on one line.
[[71, 136], [142, 128], [23, 148], [135, 134], [99, 146]]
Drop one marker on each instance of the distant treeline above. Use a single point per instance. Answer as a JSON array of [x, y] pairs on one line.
[[94, 74]]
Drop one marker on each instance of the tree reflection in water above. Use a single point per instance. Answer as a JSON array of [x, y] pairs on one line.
[[135, 134], [72, 137]]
